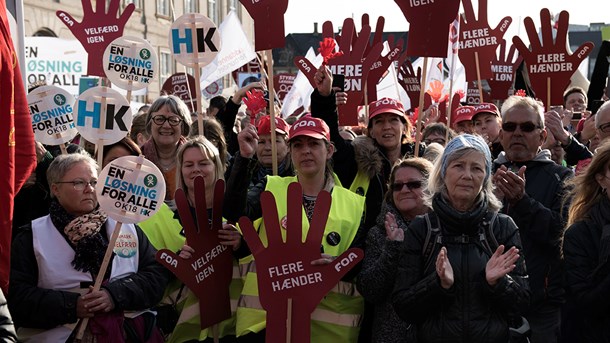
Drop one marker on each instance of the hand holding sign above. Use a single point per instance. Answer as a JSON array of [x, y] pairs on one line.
[[268, 18], [503, 67], [429, 25], [353, 64], [97, 29], [284, 268], [549, 62], [477, 37], [208, 272]]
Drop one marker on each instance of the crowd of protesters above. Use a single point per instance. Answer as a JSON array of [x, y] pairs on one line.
[[484, 234]]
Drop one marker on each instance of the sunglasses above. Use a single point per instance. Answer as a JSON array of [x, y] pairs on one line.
[[525, 127], [411, 185]]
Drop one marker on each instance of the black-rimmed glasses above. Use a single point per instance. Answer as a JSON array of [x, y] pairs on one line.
[[173, 121]]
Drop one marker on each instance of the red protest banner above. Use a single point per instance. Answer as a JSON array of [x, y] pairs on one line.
[[549, 63], [182, 85], [268, 18], [473, 95], [478, 39], [283, 84], [410, 81], [97, 29], [208, 272], [428, 25], [284, 271], [503, 67]]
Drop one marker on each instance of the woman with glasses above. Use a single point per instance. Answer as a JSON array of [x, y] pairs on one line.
[[461, 277], [55, 261], [403, 202], [168, 123], [586, 248]]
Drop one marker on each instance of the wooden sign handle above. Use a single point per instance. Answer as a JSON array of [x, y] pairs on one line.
[[421, 107]]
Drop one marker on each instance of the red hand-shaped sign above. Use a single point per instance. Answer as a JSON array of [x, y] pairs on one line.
[[477, 37], [255, 102], [208, 273], [409, 80], [436, 91], [284, 269], [380, 67], [353, 64], [268, 18], [429, 25], [504, 68], [97, 29], [549, 64]]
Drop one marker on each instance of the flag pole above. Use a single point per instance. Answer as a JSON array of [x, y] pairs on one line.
[[421, 106], [269, 58]]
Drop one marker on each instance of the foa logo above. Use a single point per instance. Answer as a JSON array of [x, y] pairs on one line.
[[386, 101], [304, 123]]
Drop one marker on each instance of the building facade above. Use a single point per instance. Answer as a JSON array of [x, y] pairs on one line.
[[151, 20]]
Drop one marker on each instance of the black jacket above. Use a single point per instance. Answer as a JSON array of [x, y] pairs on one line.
[[541, 221], [377, 277], [471, 310], [7, 329], [586, 249], [35, 307]]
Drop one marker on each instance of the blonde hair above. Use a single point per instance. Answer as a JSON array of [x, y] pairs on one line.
[[208, 150]]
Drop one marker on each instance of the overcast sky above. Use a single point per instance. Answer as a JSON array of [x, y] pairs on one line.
[[301, 14]]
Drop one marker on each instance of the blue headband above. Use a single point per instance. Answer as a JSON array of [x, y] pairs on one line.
[[466, 141]]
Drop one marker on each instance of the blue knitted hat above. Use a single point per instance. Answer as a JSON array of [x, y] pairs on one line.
[[465, 141]]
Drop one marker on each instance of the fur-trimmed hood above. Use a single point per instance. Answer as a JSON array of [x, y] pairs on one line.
[[367, 155]]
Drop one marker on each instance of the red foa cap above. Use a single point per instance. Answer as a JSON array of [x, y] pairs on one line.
[[264, 126], [486, 107], [386, 105], [311, 127], [462, 113]]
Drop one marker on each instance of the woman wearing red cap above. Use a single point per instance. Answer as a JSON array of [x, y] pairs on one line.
[[337, 317], [364, 164]]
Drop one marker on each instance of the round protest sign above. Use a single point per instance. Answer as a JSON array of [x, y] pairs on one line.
[[182, 85], [130, 189], [103, 115], [51, 110], [130, 63], [194, 39], [213, 89]]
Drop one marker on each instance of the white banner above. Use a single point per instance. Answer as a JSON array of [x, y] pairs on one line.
[[58, 62], [236, 51], [301, 90]]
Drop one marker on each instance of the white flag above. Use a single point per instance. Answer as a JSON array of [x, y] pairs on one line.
[[300, 93], [388, 86], [235, 51]]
